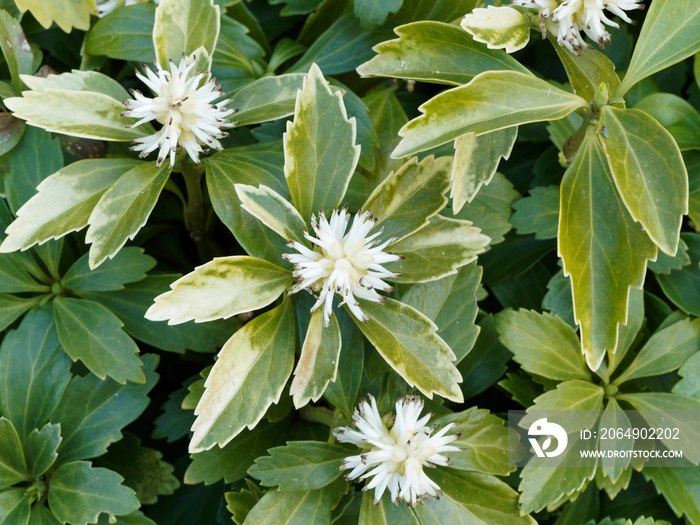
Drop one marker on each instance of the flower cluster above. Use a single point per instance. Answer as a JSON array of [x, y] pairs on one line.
[[345, 263], [184, 108], [396, 456], [571, 17]]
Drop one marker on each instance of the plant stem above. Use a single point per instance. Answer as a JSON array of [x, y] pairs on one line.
[[195, 218]]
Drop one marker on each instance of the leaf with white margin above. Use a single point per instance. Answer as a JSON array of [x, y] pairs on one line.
[[183, 26], [219, 289], [405, 200], [123, 209], [320, 154], [437, 250], [64, 202], [492, 100], [318, 362], [76, 80], [648, 171], [604, 251], [249, 376], [498, 27], [475, 162], [273, 210], [67, 14], [408, 341]]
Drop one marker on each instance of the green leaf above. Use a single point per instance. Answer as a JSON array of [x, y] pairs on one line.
[[183, 26], [404, 201], [475, 162], [665, 351], [665, 264], [407, 340], [129, 265], [125, 34], [374, 12], [268, 98], [13, 468], [384, 512], [627, 333], [12, 307], [14, 506], [320, 154], [34, 372], [80, 186], [40, 449], [11, 132], [683, 286], [239, 504], [89, 332], [133, 518], [143, 469], [131, 304], [15, 48], [273, 210], [231, 463], [538, 213], [498, 27], [36, 157], [435, 52], [85, 114], [41, 515], [221, 288], [123, 209], [483, 442], [235, 49], [669, 35], [451, 303], [579, 402], [255, 165], [16, 274], [681, 488], [291, 508], [546, 485], [300, 465], [613, 468], [92, 412], [603, 250], [318, 362], [558, 298], [690, 384], [249, 376], [587, 70], [648, 171], [661, 409], [473, 498], [543, 344], [675, 114], [438, 249], [67, 14], [491, 208], [343, 391], [79, 493], [485, 104]]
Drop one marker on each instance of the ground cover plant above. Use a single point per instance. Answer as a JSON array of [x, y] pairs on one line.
[[294, 261]]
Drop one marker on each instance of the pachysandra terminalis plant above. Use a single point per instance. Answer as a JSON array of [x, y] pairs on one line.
[[376, 236]]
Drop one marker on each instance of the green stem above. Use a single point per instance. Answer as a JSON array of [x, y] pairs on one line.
[[322, 415], [195, 218]]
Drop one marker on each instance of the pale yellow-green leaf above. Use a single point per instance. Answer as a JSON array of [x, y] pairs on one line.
[[407, 340], [123, 209], [273, 210], [249, 376], [219, 289], [77, 80], [613, 417], [311, 507], [587, 70], [435, 52], [384, 512], [543, 344], [64, 202], [409, 196], [603, 249], [649, 172], [268, 98], [15, 48], [669, 35], [438, 249], [318, 362], [320, 154], [627, 332], [613, 488], [183, 26], [67, 14], [493, 100], [475, 162], [498, 27], [83, 114]]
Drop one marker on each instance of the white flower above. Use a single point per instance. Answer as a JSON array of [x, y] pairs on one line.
[[572, 17], [104, 7], [396, 456], [185, 110], [345, 263]]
